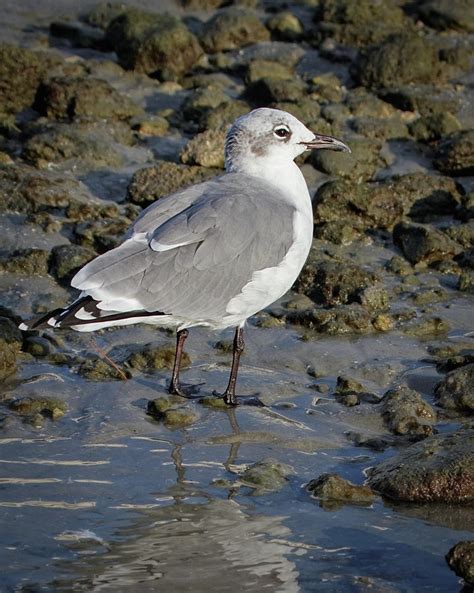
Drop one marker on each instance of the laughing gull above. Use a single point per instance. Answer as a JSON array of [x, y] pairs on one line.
[[212, 254]]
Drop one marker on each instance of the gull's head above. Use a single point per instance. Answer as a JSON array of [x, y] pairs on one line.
[[272, 135]]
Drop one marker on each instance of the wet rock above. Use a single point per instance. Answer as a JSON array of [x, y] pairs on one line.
[[233, 28], [267, 475], [97, 369], [406, 412], [151, 125], [423, 243], [93, 149], [348, 385], [337, 321], [438, 469], [285, 26], [427, 296], [423, 98], [10, 334], [152, 358], [67, 259], [203, 101], [48, 407], [38, 346], [333, 282], [455, 154], [361, 164], [333, 491], [159, 45], [426, 327], [444, 15], [76, 98], [460, 559], [456, 390], [151, 183], [274, 90], [166, 410], [399, 59], [205, 149], [26, 262], [358, 23], [21, 71], [8, 355], [434, 126]]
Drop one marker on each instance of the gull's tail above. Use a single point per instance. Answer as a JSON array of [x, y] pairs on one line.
[[85, 315]]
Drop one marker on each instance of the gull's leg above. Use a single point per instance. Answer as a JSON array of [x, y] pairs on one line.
[[175, 387], [229, 394]]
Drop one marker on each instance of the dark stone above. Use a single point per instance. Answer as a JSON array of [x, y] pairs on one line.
[[66, 260], [267, 475], [334, 491], [233, 28], [48, 407], [424, 98], [399, 59], [460, 559], [456, 390], [406, 412], [455, 154], [447, 14], [422, 243], [440, 468], [159, 45], [337, 321]]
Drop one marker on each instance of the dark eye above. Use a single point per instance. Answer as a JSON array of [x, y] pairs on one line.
[[282, 132]]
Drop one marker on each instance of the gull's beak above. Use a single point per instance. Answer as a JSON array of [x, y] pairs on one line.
[[320, 141]]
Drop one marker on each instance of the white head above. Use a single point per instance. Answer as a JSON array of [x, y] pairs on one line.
[[271, 134]]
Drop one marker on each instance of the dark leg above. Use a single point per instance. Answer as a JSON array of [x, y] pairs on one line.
[[229, 394], [175, 386]]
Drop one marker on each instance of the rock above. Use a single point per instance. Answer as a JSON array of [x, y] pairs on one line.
[[358, 23], [438, 469], [258, 69], [361, 164], [233, 28], [383, 204], [460, 559], [338, 232], [455, 154], [38, 346], [93, 148], [406, 413], [26, 262], [166, 410], [334, 491], [151, 183], [103, 13], [48, 407], [348, 385], [151, 125], [399, 265], [381, 129], [100, 235], [456, 390], [466, 281], [224, 115], [400, 59], [426, 327], [445, 15], [202, 101], [462, 233], [21, 71], [423, 243], [152, 358], [422, 98], [67, 259], [76, 98], [434, 126], [79, 34], [285, 26], [337, 321], [159, 45], [10, 334], [333, 282], [205, 149], [306, 110], [327, 88], [267, 475], [96, 369], [427, 296], [8, 354], [276, 90]]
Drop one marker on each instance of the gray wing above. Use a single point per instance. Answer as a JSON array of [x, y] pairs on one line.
[[193, 263]]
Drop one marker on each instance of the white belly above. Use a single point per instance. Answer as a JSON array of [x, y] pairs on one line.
[[268, 285]]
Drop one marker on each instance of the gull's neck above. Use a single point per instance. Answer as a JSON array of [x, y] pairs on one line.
[[283, 173]]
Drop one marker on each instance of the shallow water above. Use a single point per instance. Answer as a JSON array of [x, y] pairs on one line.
[[108, 499]]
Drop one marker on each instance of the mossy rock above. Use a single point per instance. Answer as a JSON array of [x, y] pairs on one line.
[[426, 99], [96, 369], [67, 259], [427, 326], [267, 475], [8, 355], [48, 407], [434, 126], [423, 243], [285, 26], [455, 154], [165, 409], [159, 45], [76, 98], [205, 149], [406, 413], [461, 560], [360, 164], [26, 262], [338, 321], [152, 358], [151, 183], [456, 390], [233, 28], [399, 59], [447, 14], [334, 491], [439, 469]]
